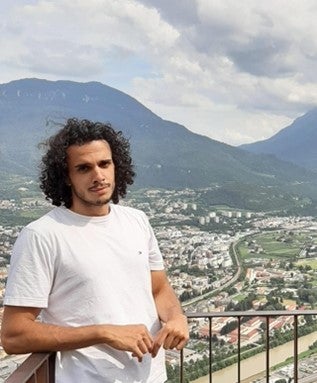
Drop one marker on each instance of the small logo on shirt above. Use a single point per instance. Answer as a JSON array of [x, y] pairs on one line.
[[139, 252]]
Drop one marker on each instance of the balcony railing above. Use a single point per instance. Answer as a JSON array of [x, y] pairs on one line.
[[39, 368]]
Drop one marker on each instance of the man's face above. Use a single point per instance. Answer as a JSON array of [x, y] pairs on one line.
[[91, 176]]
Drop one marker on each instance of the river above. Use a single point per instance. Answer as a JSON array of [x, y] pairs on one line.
[[255, 366]]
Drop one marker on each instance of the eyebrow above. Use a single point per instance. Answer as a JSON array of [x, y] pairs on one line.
[[105, 161], [82, 164]]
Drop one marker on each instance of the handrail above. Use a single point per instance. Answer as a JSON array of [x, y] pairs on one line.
[[40, 367], [37, 368], [252, 313]]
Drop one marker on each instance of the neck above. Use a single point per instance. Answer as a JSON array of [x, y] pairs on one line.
[[91, 211]]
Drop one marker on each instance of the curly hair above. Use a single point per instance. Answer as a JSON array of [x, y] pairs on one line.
[[54, 169]]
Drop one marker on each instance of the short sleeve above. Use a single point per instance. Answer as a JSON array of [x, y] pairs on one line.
[[31, 271], [155, 255]]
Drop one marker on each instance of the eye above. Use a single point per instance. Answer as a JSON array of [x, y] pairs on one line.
[[105, 164], [82, 168]]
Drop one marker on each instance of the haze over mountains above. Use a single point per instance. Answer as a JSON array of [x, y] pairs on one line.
[[166, 154], [296, 143]]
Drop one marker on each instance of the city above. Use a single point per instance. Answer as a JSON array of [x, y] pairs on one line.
[[218, 259]]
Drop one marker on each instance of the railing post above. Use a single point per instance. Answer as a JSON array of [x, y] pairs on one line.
[[239, 349], [51, 367], [267, 343], [210, 349], [295, 349], [181, 367]]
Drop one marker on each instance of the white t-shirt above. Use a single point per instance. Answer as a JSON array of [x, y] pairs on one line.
[[90, 270]]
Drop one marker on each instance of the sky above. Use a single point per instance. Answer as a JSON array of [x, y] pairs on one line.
[[235, 71]]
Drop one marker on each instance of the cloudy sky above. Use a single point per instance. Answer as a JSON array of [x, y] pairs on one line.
[[236, 71]]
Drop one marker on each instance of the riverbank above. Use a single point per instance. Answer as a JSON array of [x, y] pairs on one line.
[[254, 367]]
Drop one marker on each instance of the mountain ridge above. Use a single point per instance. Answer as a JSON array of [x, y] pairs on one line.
[[166, 154], [295, 143]]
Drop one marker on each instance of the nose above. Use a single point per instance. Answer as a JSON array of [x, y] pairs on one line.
[[98, 175]]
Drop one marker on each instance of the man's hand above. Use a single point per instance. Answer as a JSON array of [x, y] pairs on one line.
[[173, 334], [134, 338], [21, 333]]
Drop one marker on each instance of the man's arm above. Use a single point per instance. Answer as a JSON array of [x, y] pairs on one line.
[[174, 333], [21, 333]]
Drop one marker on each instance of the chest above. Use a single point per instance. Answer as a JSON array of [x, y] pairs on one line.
[[84, 253]]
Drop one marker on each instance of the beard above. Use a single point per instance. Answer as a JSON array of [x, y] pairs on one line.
[[85, 198]]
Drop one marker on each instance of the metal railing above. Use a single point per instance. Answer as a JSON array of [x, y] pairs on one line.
[[40, 368], [239, 315]]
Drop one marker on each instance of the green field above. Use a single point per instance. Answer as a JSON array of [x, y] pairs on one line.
[[308, 262], [273, 245], [239, 297]]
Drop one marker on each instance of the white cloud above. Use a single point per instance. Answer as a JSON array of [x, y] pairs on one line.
[[258, 59], [236, 71], [81, 36]]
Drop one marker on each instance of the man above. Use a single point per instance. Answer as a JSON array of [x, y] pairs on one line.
[[91, 269]]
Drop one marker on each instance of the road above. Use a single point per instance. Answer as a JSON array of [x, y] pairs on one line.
[[225, 284]]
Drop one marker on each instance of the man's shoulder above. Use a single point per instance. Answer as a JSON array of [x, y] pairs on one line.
[[124, 209], [129, 211], [45, 222], [130, 217]]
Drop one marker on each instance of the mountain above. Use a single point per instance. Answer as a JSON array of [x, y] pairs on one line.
[[166, 154], [296, 143]]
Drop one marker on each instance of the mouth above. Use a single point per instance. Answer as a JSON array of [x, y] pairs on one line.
[[99, 189]]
